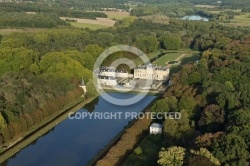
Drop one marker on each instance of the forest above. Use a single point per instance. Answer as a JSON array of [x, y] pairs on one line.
[[41, 71]]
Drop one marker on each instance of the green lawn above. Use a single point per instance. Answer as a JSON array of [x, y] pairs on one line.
[[165, 58], [90, 26], [138, 60], [187, 59]]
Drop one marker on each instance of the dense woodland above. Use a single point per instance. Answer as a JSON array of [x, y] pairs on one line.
[[213, 98], [40, 74], [39, 15]]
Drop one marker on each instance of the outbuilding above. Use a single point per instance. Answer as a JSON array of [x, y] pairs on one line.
[[155, 128]]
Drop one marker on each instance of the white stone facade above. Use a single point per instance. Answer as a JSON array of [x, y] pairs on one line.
[[151, 71], [106, 80]]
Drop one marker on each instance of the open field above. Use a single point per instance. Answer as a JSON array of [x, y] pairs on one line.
[[157, 18], [87, 25], [206, 6], [92, 24], [9, 31], [241, 20], [116, 15]]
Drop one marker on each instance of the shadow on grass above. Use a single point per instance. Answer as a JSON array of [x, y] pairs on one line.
[[184, 61]]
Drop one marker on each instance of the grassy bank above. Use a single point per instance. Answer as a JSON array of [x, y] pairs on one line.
[[43, 127], [166, 58]]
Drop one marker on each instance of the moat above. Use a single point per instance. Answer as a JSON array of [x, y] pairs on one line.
[[76, 141]]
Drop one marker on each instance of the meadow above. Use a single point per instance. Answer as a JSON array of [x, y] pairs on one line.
[[99, 23], [116, 15], [241, 20], [88, 25]]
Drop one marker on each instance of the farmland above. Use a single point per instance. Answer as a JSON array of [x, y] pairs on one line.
[[241, 20], [99, 23], [116, 15], [88, 25]]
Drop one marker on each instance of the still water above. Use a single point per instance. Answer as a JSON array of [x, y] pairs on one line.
[[195, 17], [75, 142]]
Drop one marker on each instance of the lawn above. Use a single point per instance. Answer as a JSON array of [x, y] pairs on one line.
[[87, 25], [165, 58], [187, 59], [138, 60]]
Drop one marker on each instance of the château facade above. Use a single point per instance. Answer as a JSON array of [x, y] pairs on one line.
[[151, 71]]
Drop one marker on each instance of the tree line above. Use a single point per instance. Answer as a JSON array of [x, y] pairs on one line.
[[45, 8], [41, 71], [38, 20]]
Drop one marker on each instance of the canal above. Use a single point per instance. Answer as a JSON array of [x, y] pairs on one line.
[[74, 142]]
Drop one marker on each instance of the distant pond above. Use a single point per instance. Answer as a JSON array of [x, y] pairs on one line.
[[195, 18]]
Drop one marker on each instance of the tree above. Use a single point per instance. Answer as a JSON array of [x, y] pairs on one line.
[[205, 153], [231, 149], [91, 90], [105, 38], [212, 118], [2, 122], [94, 50], [173, 156], [178, 130], [58, 64], [138, 150], [170, 42], [147, 43], [207, 139]]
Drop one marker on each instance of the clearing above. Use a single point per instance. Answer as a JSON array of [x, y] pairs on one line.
[[92, 24], [99, 21], [116, 15], [206, 6], [241, 20]]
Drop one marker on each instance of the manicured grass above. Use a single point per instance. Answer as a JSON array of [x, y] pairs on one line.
[[187, 59], [165, 58], [150, 146], [90, 26]]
